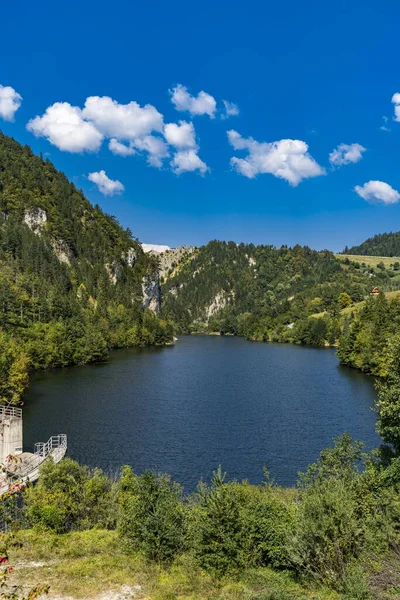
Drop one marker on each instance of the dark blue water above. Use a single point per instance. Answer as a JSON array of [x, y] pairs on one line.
[[206, 401]]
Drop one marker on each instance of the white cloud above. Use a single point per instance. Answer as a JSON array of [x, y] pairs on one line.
[[345, 154], [10, 101], [156, 148], [64, 126], [107, 186], [156, 248], [396, 102], [180, 136], [129, 128], [75, 130], [385, 127], [202, 104], [231, 109], [120, 149], [122, 121], [286, 159], [188, 160], [378, 191]]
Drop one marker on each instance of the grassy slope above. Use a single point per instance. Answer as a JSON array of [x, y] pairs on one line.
[[358, 305], [372, 261], [92, 564]]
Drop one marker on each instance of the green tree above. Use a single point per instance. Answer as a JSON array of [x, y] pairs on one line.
[[388, 403], [151, 514], [69, 496], [345, 300]]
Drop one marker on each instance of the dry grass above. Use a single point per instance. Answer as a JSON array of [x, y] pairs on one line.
[[371, 261], [92, 565]]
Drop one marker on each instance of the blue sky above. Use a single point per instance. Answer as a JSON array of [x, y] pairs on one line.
[[321, 73]]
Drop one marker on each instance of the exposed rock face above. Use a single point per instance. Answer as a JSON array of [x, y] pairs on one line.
[[114, 271], [130, 257], [35, 218], [62, 251], [220, 301], [151, 292], [174, 256]]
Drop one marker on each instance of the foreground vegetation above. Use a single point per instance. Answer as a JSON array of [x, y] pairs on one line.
[[92, 563], [335, 536]]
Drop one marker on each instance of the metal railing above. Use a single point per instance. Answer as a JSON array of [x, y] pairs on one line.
[[10, 411], [56, 442]]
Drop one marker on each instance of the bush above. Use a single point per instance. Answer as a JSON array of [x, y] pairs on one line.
[[343, 513], [355, 586], [69, 497], [233, 526], [329, 534], [151, 514]]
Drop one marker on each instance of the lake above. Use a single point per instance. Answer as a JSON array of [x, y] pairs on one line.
[[205, 401]]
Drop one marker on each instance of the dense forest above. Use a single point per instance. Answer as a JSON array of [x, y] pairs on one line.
[[71, 279], [383, 244], [282, 294]]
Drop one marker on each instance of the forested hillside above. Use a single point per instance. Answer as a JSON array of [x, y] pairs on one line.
[[383, 244], [73, 282], [267, 293], [368, 334]]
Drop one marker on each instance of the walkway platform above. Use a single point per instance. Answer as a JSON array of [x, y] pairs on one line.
[[25, 467]]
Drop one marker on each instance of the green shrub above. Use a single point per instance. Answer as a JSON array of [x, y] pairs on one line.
[[69, 496], [151, 514], [329, 534], [355, 585], [233, 526]]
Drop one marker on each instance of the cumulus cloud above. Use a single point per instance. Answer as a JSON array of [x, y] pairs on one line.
[[129, 128], [10, 101], [202, 104], [231, 109], [378, 192], [122, 121], [188, 160], [156, 148], [64, 126], [180, 135], [396, 102], [345, 154], [120, 149], [107, 186], [286, 159], [73, 129], [183, 137]]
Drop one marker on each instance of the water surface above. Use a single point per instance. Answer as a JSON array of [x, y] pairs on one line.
[[205, 401]]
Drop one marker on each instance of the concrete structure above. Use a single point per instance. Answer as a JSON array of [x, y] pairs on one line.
[[10, 432], [17, 466]]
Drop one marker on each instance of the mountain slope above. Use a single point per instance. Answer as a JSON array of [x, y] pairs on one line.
[[258, 291], [73, 282], [383, 244]]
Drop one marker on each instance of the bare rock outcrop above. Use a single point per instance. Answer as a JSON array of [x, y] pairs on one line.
[[62, 251], [36, 219], [151, 291]]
